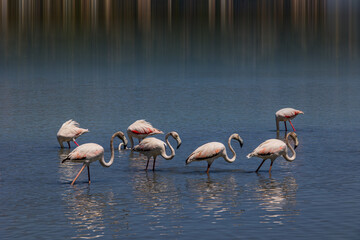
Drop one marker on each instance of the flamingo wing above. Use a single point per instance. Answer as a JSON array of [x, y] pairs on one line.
[[269, 147], [71, 129], [86, 151], [206, 151], [149, 144], [143, 127], [288, 113]]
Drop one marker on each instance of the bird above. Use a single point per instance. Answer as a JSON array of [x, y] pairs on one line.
[[140, 129], [273, 148], [153, 147], [286, 114], [69, 131], [213, 150], [91, 152]]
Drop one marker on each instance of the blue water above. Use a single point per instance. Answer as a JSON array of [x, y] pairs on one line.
[[205, 72]]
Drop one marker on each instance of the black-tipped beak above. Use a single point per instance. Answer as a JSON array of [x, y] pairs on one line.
[[295, 146], [178, 146]]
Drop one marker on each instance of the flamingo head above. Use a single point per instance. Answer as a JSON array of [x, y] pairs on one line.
[[295, 138], [121, 135], [176, 136], [238, 138]]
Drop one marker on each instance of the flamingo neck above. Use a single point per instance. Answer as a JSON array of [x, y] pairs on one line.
[[110, 162], [164, 155], [230, 160], [286, 156]]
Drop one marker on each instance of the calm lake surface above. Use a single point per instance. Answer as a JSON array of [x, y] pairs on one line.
[[205, 69]]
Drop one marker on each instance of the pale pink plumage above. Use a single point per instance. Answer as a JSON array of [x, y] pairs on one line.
[[286, 114], [153, 147], [273, 148], [213, 150], [69, 131], [91, 152], [140, 129]]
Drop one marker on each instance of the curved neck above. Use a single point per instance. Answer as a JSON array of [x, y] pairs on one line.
[[163, 154], [230, 160], [286, 156], [110, 162]]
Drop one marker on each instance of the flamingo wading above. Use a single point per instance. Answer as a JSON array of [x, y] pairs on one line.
[[286, 114], [273, 148], [91, 152], [69, 131], [140, 129], [213, 150], [153, 147]]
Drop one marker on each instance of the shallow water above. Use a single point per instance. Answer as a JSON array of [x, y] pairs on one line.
[[205, 69]]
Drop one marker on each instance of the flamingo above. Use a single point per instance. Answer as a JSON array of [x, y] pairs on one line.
[[286, 114], [140, 129], [91, 152], [69, 131], [273, 148], [153, 147], [213, 150]]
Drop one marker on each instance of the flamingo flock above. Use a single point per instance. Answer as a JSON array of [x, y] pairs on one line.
[[153, 147]]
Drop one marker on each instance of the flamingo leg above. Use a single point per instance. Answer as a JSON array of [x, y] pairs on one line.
[[271, 166], [154, 163], [292, 125], [260, 165], [285, 126], [75, 142], [68, 143], [208, 168], [147, 164], [78, 174], [88, 168]]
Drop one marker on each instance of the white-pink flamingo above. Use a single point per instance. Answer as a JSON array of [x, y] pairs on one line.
[[140, 129], [153, 147], [91, 152], [213, 150], [286, 114], [69, 131], [273, 148]]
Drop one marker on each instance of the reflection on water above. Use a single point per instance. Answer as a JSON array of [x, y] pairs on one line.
[[159, 198], [277, 198], [89, 212], [215, 197]]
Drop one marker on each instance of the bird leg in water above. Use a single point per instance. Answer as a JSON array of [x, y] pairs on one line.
[[147, 164], [260, 165], [68, 144], [78, 174], [154, 163], [292, 125], [285, 126], [270, 167], [75, 142], [208, 168], [88, 173]]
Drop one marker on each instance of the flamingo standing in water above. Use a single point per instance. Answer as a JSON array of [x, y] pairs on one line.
[[213, 150], [273, 148], [140, 129], [91, 152], [286, 114], [153, 147], [69, 131]]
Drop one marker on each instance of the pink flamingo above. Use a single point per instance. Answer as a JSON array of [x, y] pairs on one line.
[[153, 147], [140, 129], [69, 131], [286, 114], [273, 148], [213, 150], [91, 152]]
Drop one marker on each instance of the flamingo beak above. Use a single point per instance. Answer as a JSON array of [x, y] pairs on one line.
[[178, 146]]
